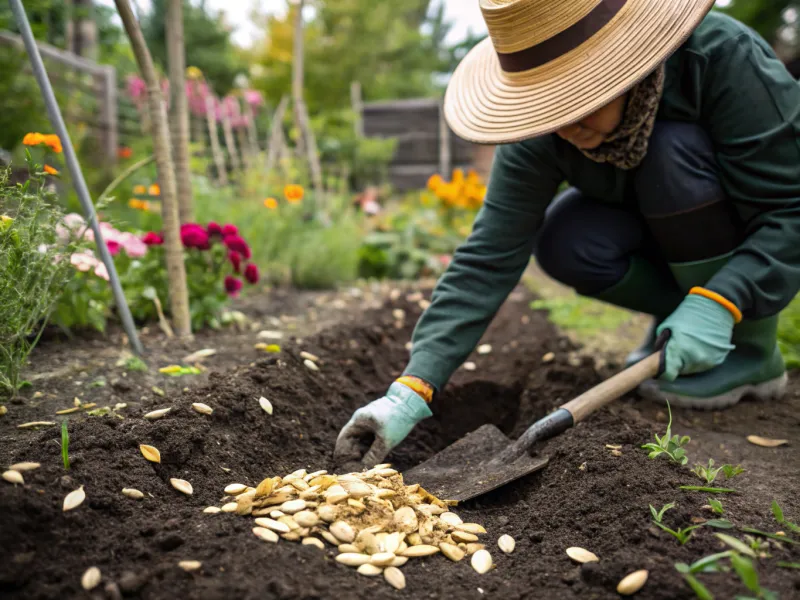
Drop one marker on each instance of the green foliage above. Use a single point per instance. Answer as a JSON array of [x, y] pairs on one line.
[[577, 312], [668, 444], [709, 473], [716, 506], [780, 518], [789, 334], [710, 490], [762, 15], [746, 570], [658, 515], [32, 269], [65, 444], [682, 535], [134, 363]]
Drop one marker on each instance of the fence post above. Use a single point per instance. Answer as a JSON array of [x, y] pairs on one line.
[[108, 114], [357, 102], [444, 144]]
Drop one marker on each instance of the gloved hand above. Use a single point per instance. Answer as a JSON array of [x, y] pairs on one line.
[[700, 337], [389, 420]]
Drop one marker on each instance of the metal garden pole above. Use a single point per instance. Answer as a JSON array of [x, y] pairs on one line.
[[57, 121]]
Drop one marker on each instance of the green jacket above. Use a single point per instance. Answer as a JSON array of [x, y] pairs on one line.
[[725, 78]]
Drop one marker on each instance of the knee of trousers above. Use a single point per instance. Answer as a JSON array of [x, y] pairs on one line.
[[586, 245]]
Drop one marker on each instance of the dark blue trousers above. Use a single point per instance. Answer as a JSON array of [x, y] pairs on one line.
[[680, 214]]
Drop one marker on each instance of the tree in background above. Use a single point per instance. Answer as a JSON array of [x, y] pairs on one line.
[[206, 40], [179, 108], [765, 16]]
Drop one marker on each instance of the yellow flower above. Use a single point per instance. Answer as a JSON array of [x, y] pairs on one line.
[[434, 182], [137, 204], [50, 170], [271, 203], [458, 176], [193, 73], [155, 190], [294, 193], [139, 190]]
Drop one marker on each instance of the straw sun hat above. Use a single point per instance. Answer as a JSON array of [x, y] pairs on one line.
[[550, 63]]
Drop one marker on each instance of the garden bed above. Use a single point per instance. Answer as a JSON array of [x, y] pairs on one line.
[[586, 497]]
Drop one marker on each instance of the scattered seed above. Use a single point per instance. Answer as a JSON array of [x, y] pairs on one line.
[[24, 466], [348, 548], [266, 405], [424, 304], [549, 357], [391, 542], [470, 528], [311, 365], [273, 525], [766, 442], [581, 555], [151, 453], [336, 494], [35, 424], [230, 507], [399, 314], [481, 561], [309, 356], [235, 489], [613, 447], [203, 409], [132, 493], [382, 559], [420, 550], [330, 538], [632, 583], [306, 518], [470, 366], [182, 486], [463, 536], [13, 476], [452, 551], [343, 532], [157, 414], [352, 559], [190, 565], [67, 411], [91, 578], [485, 349], [409, 346], [266, 534], [312, 541], [406, 519], [212, 510], [74, 499], [369, 570], [199, 355], [451, 519], [399, 561], [473, 548], [395, 578], [293, 506], [506, 544]]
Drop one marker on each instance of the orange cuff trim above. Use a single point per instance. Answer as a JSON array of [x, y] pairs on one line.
[[721, 300], [421, 387]]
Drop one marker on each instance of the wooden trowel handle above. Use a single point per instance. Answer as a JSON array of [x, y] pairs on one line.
[[614, 387]]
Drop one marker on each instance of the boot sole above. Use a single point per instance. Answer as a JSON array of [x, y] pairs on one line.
[[774, 389]]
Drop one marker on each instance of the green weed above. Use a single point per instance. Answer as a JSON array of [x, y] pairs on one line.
[[671, 445], [710, 490], [779, 517], [682, 535], [658, 515], [65, 444], [716, 506], [709, 473]]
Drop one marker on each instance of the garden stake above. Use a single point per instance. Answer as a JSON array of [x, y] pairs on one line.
[[486, 459], [57, 121]]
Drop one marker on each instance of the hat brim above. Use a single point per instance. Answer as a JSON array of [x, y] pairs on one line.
[[485, 105]]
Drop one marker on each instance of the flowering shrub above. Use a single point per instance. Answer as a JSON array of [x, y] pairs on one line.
[[466, 192]]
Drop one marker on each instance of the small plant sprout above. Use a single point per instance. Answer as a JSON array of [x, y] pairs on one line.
[[746, 570], [65, 444], [779, 517], [760, 547], [731, 471], [671, 445], [658, 515], [682, 535], [709, 473], [716, 506]]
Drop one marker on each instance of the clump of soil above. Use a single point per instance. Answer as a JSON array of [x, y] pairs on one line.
[[586, 497]]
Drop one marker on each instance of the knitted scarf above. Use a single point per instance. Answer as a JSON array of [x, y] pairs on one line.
[[627, 146]]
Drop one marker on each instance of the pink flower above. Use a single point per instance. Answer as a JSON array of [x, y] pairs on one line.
[[229, 229], [101, 271], [83, 261], [194, 236], [237, 244], [232, 286], [214, 229], [113, 247], [134, 247], [236, 260], [251, 273], [253, 98], [136, 88], [151, 238]]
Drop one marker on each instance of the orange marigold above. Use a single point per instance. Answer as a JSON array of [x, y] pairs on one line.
[[33, 139], [139, 190], [155, 190], [53, 142], [271, 203], [294, 193], [124, 152], [50, 170], [434, 182]]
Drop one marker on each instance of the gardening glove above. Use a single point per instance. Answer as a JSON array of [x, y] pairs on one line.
[[699, 336], [388, 421]]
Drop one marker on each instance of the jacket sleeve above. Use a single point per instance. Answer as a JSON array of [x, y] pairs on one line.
[[753, 113], [487, 267]]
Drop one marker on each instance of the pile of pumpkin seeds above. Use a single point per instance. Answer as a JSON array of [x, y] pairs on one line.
[[375, 521]]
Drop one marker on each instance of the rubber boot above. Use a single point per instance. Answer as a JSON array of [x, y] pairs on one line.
[[755, 367], [648, 290]]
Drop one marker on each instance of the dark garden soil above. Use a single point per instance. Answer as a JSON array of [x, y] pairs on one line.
[[585, 497]]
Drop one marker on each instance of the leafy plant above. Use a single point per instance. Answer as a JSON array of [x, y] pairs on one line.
[[709, 473], [779, 517], [746, 570], [682, 535], [731, 471], [772, 536], [671, 445], [710, 490], [658, 515], [133, 363], [65, 444], [716, 506]]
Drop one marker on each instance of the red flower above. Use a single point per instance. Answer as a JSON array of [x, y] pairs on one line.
[[229, 230], [232, 286], [236, 260], [151, 238], [194, 236], [214, 229], [237, 244], [113, 247], [251, 273]]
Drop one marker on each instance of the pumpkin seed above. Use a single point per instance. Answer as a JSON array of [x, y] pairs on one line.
[[463, 536], [3, 409], [352, 559], [382, 559], [330, 538], [632, 583], [212, 510], [157, 414], [190, 565], [352, 548], [67, 411], [24, 466], [230, 507], [485, 349], [13, 476], [311, 365], [399, 314], [327, 513], [265, 404], [765, 442], [266, 534], [276, 514], [452, 552], [74, 499], [369, 570], [91, 578], [414, 539], [386, 472], [35, 424], [265, 487], [581, 555], [481, 561], [395, 578], [421, 550], [470, 366], [203, 409], [405, 519], [289, 522], [292, 536], [273, 525], [312, 541], [151, 453], [549, 357], [309, 356], [357, 489], [315, 474], [343, 532], [451, 519], [392, 542], [293, 506], [470, 528], [306, 518], [199, 355], [336, 494], [235, 489], [506, 544], [399, 561], [473, 548], [132, 493], [182, 486]]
